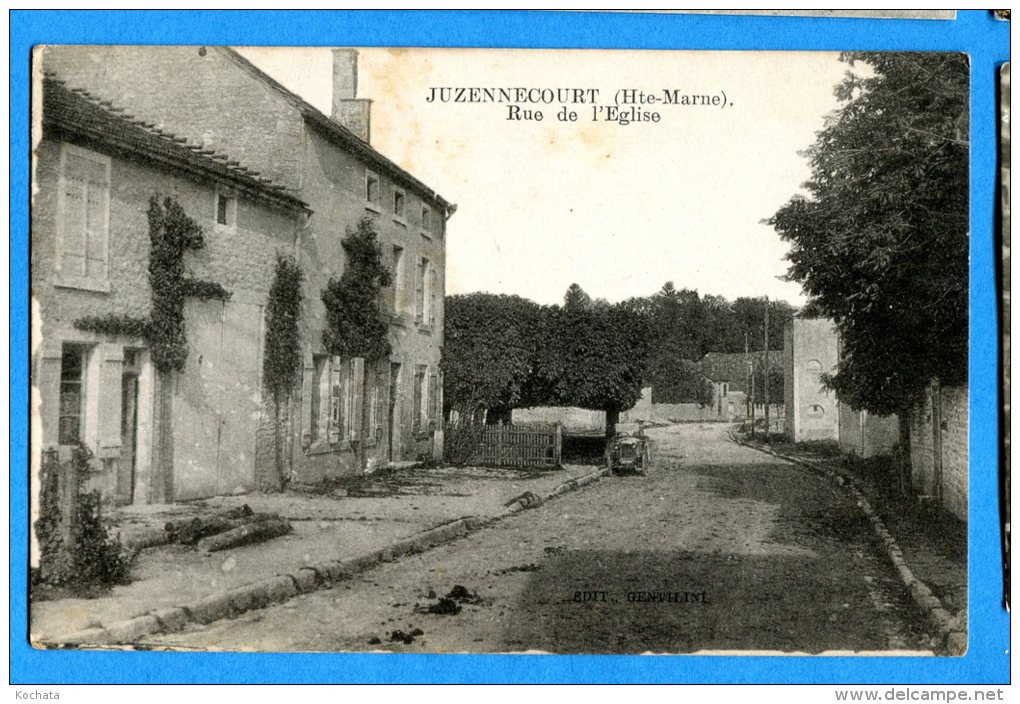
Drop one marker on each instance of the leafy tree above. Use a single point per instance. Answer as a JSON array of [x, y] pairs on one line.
[[881, 242], [593, 358], [749, 322], [488, 356], [576, 297], [680, 382], [355, 324]]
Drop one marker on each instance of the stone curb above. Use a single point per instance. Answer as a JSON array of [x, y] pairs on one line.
[[258, 595], [949, 636]]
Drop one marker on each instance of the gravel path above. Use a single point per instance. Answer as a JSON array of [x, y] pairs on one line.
[[719, 547]]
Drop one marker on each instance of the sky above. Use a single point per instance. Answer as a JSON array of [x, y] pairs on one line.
[[618, 209]]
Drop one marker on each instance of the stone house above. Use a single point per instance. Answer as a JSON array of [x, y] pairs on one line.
[[811, 349], [730, 374], [94, 173], [347, 415]]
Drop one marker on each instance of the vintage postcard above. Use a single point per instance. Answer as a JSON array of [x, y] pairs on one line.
[[490, 351]]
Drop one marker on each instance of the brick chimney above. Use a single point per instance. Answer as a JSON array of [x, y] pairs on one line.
[[350, 111]]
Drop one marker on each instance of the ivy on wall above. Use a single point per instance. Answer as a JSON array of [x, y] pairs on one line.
[[355, 326], [281, 365], [171, 234]]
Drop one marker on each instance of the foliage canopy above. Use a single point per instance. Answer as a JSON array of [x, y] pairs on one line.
[[881, 241]]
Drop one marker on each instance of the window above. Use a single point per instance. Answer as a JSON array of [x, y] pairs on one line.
[[84, 211], [226, 209], [423, 294], [372, 188], [71, 419], [814, 366], [426, 219], [398, 278], [398, 204], [420, 398]]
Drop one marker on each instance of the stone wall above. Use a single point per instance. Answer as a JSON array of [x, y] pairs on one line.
[[865, 434], [939, 447]]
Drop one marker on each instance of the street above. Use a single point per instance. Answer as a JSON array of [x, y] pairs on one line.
[[719, 547]]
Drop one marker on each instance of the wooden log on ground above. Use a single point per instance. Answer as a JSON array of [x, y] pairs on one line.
[[251, 532], [191, 531]]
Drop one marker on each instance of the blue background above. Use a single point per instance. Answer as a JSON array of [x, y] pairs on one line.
[[973, 32]]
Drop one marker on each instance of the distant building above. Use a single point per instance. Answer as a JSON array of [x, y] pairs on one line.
[[811, 349], [732, 386]]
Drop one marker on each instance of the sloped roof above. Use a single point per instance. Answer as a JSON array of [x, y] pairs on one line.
[[77, 113], [340, 134]]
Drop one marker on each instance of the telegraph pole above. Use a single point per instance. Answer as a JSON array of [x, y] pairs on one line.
[[768, 428], [748, 403]]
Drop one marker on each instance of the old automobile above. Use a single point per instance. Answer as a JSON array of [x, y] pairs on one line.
[[627, 451]]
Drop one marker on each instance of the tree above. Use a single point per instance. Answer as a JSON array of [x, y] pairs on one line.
[[680, 382], [576, 297], [749, 321], [592, 357], [488, 356], [355, 325], [880, 243]]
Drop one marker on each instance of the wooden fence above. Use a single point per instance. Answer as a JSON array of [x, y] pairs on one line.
[[539, 446]]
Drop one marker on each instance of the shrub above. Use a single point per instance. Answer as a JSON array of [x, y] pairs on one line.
[[94, 561]]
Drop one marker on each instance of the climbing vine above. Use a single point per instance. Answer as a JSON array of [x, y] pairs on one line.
[[281, 365], [171, 234], [355, 326]]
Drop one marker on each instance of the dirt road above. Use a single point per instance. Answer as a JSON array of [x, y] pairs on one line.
[[719, 547]]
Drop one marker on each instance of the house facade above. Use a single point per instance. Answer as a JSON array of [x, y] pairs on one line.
[[346, 415], [812, 349], [95, 173]]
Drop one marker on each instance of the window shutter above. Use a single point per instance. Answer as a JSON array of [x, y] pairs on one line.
[[47, 379], [433, 397], [307, 380], [433, 288], [357, 384], [111, 370], [336, 409], [85, 227], [419, 376], [96, 230], [419, 290], [73, 238]]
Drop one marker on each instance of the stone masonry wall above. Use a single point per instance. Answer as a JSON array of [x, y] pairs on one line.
[[953, 408]]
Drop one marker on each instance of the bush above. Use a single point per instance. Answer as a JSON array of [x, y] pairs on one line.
[[461, 442], [95, 561]]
